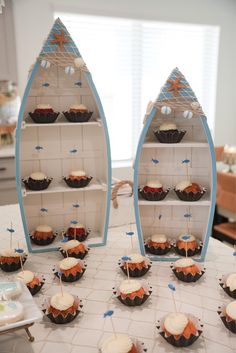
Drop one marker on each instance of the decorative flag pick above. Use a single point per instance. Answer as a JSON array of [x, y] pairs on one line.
[[74, 222], [109, 313], [73, 151], [186, 237], [173, 289], [11, 231], [130, 234], [59, 275], [126, 259], [186, 162], [20, 251]]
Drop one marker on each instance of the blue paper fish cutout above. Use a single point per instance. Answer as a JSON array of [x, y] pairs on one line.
[[130, 233], [126, 258], [10, 230], [187, 215], [160, 215], [73, 222], [155, 161], [171, 287], [19, 251], [78, 83], [46, 84], [38, 148], [185, 161], [76, 205], [108, 313], [185, 237], [65, 239], [74, 150], [43, 209]]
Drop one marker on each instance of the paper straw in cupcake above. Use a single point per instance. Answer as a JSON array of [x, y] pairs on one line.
[[59, 276], [73, 151], [20, 251], [76, 207], [186, 237], [186, 162], [109, 313], [11, 231], [127, 259], [74, 222], [173, 289], [131, 234], [65, 240], [39, 148], [42, 212]]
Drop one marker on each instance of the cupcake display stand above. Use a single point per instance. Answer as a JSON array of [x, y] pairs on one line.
[[172, 162], [62, 143]]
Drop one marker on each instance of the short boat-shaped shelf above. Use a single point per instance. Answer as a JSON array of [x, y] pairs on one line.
[[175, 146], [61, 131]]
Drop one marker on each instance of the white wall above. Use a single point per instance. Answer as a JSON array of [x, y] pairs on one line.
[[33, 20]]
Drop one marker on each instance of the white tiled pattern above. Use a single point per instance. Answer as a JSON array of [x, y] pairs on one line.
[[95, 289]]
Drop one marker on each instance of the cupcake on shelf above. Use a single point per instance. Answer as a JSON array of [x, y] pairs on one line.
[[44, 114], [158, 244], [11, 260], [189, 191], [153, 191], [32, 282], [121, 343], [77, 179], [138, 265], [71, 269], [63, 308], [187, 270], [189, 245], [228, 283], [132, 292], [77, 231], [73, 248], [169, 133], [43, 235], [179, 329], [228, 316], [37, 181], [78, 113]]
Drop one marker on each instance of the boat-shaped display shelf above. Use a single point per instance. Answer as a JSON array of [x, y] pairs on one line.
[[174, 175], [62, 136]]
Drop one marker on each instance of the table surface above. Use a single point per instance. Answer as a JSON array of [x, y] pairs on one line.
[[95, 289]]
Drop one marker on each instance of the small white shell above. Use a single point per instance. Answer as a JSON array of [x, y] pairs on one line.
[[69, 70], [165, 110], [79, 62], [45, 64], [187, 114]]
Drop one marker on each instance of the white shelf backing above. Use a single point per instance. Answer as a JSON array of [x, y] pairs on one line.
[[191, 144], [172, 200], [59, 122]]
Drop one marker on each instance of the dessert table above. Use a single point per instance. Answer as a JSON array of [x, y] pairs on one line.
[[95, 289]]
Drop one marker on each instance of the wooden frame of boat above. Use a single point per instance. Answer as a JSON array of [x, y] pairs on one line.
[[164, 161], [64, 146]]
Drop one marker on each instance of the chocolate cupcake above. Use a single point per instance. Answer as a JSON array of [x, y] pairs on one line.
[[121, 343], [138, 265], [180, 330], [43, 235], [77, 231], [78, 113], [228, 283], [37, 181], [132, 292], [153, 191], [44, 114], [10, 260], [63, 308], [187, 270], [189, 191], [191, 244], [33, 283], [71, 269], [73, 248], [169, 133], [158, 244], [77, 179], [228, 316]]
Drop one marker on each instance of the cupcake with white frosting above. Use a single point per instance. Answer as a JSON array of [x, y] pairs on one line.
[[186, 190], [228, 316], [138, 265], [168, 132], [187, 270], [132, 292], [44, 114], [158, 244], [32, 282], [191, 245], [77, 179], [77, 231], [78, 113], [120, 343], [179, 329], [74, 248], [37, 181], [70, 269], [10, 260], [228, 283], [63, 308], [43, 235], [153, 191]]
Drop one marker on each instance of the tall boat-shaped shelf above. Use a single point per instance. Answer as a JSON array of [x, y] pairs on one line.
[[61, 79], [170, 163]]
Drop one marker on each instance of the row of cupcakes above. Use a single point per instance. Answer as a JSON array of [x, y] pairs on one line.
[[45, 114], [186, 190], [39, 181]]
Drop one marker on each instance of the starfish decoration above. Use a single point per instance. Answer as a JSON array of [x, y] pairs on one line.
[[59, 39], [175, 85]]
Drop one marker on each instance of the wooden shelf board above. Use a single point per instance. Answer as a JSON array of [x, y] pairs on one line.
[[172, 201], [61, 123], [193, 144]]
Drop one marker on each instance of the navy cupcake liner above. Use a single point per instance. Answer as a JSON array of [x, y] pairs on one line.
[[60, 319], [78, 117], [44, 118], [42, 242], [137, 301], [230, 325], [187, 278], [77, 255], [36, 288], [77, 184], [136, 272], [169, 136], [14, 266], [37, 185], [190, 252], [153, 196], [227, 290], [71, 278], [190, 196], [157, 251]]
